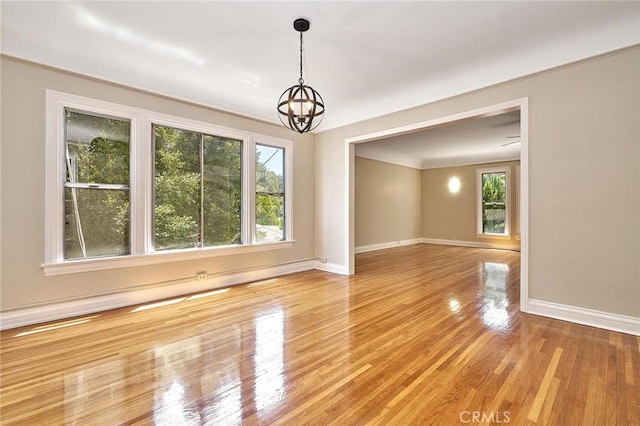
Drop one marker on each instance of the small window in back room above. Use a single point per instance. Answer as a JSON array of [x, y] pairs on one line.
[[493, 201]]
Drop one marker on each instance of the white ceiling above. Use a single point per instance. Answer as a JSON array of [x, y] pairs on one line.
[[470, 141], [365, 58]]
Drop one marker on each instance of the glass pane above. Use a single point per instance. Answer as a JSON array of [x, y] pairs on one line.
[[98, 149], [222, 191], [96, 223], [269, 217], [269, 169], [269, 193], [177, 188], [493, 202]]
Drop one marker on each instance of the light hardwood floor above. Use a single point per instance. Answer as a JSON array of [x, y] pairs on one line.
[[420, 335]]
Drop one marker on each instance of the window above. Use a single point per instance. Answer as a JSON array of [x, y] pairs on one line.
[[96, 190], [270, 194], [493, 209], [127, 187], [198, 189]]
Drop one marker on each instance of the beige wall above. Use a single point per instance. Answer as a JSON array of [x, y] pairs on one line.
[[584, 179], [395, 203], [387, 202], [23, 164], [450, 216]]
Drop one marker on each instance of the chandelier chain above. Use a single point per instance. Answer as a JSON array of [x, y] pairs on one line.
[[301, 80]]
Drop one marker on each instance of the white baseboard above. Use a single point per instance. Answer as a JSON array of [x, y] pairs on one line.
[[331, 267], [65, 309], [390, 244], [475, 244], [608, 321]]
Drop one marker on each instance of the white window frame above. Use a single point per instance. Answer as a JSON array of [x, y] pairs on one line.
[[141, 187], [507, 230], [288, 183]]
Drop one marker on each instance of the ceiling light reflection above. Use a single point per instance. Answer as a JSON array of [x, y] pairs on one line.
[[454, 305]]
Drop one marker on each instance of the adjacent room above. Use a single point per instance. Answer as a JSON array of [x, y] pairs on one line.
[[422, 186], [320, 213]]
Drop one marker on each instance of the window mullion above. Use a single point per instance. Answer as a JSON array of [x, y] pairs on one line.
[[140, 180], [249, 191], [201, 190], [288, 192], [145, 144]]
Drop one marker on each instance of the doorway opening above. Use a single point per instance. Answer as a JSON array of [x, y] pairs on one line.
[[520, 105]]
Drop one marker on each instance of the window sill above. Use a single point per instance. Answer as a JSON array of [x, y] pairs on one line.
[[98, 264], [495, 236]]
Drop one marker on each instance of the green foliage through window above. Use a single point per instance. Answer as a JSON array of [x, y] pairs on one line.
[[96, 217], [124, 181], [494, 202], [270, 201], [198, 189]]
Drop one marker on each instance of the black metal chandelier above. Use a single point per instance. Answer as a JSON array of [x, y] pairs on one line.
[[300, 107]]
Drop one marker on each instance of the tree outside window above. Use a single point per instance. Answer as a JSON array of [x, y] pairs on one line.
[[146, 187], [96, 193], [270, 193], [198, 189], [493, 202]]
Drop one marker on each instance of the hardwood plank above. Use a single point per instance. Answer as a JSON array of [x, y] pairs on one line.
[[543, 390], [424, 334]]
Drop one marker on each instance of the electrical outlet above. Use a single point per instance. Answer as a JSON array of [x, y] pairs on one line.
[[321, 259], [201, 276]]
